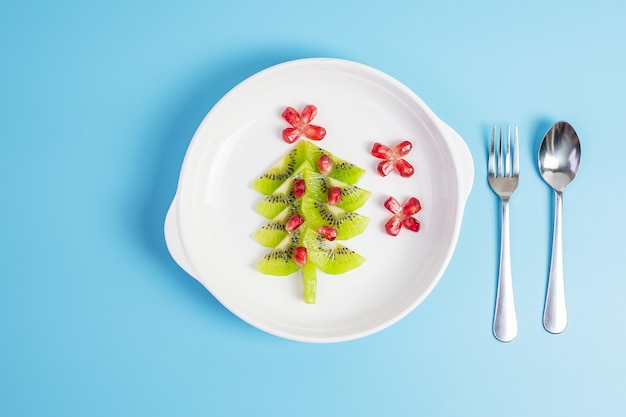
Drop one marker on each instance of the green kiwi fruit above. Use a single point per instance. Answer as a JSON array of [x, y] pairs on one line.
[[304, 150], [330, 257], [347, 223], [280, 203], [282, 197], [279, 261], [274, 231], [342, 170], [317, 185], [281, 171], [309, 278]]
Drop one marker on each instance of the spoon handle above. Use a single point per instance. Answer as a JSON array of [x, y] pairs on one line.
[[555, 312], [505, 319]]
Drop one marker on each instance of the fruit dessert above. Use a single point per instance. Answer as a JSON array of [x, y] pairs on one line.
[[310, 198]]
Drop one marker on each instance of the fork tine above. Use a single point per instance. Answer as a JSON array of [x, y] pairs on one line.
[[500, 164], [491, 168], [515, 155], [507, 158]]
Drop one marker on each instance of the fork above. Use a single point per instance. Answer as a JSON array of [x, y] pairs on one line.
[[503, 179]]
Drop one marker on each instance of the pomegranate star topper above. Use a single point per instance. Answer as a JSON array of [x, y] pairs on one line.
[[300, 124]]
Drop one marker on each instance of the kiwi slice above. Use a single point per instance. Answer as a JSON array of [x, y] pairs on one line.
[[279, 261], [273, 232], [304, 150], [281, 171], [317, 185], [330, 257], [347, 223], [309, 279], [342, 170], [282, 197]]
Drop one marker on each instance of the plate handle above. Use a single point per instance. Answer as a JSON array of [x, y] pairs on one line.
[[464, 160], [173, 240]]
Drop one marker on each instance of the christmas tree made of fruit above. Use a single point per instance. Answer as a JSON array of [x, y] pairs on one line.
[[310, 199]]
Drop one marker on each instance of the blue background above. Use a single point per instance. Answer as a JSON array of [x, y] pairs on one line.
[[98, 102]]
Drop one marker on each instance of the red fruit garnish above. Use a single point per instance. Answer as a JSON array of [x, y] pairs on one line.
[[381, 151], [299, 187], [308, 113], [411, 224], [314, 132], [404, 168], [300, 255], [402, 215], [393, 158], [334, 195], [292, 116], [411, 207], [325, 165], [300, 124], [291, 134], [392, 205], [402, 149], [393, 226], [385, 167], [329, 232], [294, 222]]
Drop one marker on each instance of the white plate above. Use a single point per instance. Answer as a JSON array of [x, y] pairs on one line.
[[211, 220]]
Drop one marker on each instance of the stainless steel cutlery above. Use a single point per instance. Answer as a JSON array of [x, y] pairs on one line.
[[558, 159]]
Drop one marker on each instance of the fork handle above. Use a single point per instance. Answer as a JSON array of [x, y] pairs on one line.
[[555, 311], [505, 319]]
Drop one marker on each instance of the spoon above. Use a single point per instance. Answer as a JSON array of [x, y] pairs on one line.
[[559, 159]]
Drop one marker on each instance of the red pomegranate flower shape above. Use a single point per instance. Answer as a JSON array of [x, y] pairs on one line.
[[402, 215], [300, 124], [393, 158]]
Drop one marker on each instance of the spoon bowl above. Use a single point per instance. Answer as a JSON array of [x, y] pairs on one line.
[[559, 155], [559, 160]]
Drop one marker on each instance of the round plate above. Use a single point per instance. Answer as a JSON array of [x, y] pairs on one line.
[[240, 138]]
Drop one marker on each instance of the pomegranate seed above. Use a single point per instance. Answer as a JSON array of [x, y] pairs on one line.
[[381, 151], [294, 222], [328, 232], [308, 113], [300, 255], [292, 116], [402, 149], [385, 167], [291, 134], [325, 164], [299, 187], [393, 225], [392, 205], [334, 195], [404, 168], [411, 224], [411, 207], [314, 132]]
